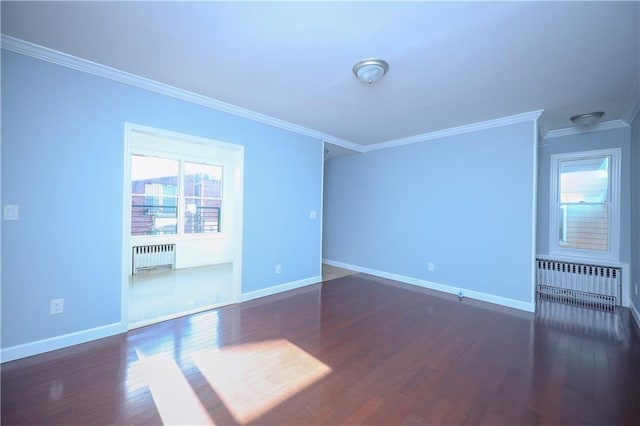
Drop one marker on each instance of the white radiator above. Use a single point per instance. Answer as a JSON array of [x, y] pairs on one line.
[[153, 258], [579, 284]]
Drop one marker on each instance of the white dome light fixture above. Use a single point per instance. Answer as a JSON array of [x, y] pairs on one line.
[[587, 119], [369, 71]]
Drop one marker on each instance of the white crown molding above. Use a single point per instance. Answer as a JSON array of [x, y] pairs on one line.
[[49, 55], [607, 125], [348, 145], [474, 127]]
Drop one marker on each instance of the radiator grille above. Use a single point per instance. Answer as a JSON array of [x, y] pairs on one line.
[[579, 284], [153, 258]]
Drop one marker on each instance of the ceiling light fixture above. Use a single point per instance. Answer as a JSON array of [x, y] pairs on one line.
[[370, 70], [587, 119]]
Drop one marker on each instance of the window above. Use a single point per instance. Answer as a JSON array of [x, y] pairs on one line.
[[202, 198], [173, 195], [584, 218], [154, 195]]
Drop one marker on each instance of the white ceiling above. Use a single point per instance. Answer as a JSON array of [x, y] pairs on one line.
[[451, 63]]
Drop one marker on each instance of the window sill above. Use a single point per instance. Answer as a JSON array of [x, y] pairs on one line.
[[587, 260], [172, 238]]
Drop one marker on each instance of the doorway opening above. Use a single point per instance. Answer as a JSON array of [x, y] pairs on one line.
[[182, 228], [330, 269]]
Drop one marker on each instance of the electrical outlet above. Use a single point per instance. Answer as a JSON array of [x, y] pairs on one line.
[[431, 266], [57, 306], [313, 214], [10, 212], [278, 269]]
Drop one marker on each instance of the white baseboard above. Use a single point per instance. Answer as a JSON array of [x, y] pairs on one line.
[[53, 343], [12, 353], [41, 346], [635, 313], [280, 288], [485, 297]]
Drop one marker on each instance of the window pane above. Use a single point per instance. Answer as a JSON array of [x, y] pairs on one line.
[[154, 201], [160, 216], [584, 181], [583, 226], [202, 180], [152, 170], [201, 215]]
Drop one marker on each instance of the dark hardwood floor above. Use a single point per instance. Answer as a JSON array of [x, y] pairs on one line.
[[354, 350]]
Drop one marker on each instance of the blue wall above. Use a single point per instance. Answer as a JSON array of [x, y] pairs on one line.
[[464, 202], [614, 138], [635, 212], [62, 163]]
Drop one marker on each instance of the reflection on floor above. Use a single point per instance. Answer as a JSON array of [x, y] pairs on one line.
[[579, 320], [354, 350], [157, 296], [332, 272]]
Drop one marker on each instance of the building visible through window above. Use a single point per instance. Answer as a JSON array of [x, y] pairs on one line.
[[170, 196]]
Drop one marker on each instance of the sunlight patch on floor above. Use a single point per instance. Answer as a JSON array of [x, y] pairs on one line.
[[253, 378], [175, 399]]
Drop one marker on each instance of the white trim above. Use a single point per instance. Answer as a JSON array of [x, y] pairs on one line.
[[613, 212], [468, 128], [239, 223], [237, 151], [321, 215], [12, 353], [49, 55], [126, 228], [534, 213], [345, 144], [583, 260], [43, 53], [445, 288], [568, 131], [280, 288]]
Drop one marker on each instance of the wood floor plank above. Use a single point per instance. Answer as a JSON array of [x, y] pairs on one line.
[[353, 350]]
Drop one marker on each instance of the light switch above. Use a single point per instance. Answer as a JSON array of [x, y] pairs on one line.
[[313, 214], [10, 212]]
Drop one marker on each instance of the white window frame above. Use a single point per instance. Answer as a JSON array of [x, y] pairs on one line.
[[137, 138], [183, 198], [613, 214], [180, 234]]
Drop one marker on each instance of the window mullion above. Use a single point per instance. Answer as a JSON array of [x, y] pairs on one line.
[[180, 203]]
